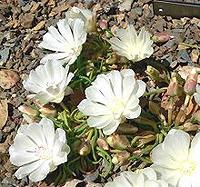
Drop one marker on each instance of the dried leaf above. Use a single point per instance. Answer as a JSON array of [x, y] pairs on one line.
[[8, 78], [3, 113]]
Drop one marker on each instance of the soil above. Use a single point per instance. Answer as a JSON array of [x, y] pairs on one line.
[[24, 22]]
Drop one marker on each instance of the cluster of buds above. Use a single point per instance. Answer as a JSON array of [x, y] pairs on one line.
[[174, 88], [30, 113]]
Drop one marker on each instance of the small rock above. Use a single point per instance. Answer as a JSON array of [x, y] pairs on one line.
[[3, 113], [4, 54], [195, 55], [27, 20], [39, 26], [125, 5], [183, 56], [196, 21], [8, 78]]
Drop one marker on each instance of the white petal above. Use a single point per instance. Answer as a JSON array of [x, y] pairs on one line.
[[149, 173], [180, 149], [48, 130], [185, 181], [111, 128], [20, 157], [95, 95], [99, 121], [40, 173], [102, 83], [92, 109], [116, 81], [133, 113], [161, 158], [65, 30], [141, 88], [57, 56], [22, 142], [195, 148], [27, 169], [35, 133]]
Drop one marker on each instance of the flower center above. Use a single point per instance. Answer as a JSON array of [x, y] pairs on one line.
[[77, 50], [117, 107], [43, 153], [187, 167]]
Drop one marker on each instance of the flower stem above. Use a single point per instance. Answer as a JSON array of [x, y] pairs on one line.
[[63, 106], [156, 91], [190, 45]]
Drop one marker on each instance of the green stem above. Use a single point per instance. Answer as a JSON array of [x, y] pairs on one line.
[[156, 91], [63, 106], [190, 45]]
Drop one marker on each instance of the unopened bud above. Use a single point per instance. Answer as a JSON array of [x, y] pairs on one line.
[[153, 73], [48, 111], [118, 141], [76, 146], [191, 83], [28, 110], [121, 158], [146, 139], [101, 142], [127, 128], [103, 24], [196, 117], [188, 127], [161, 37], [85, 148], [154, 107], [174, 88]]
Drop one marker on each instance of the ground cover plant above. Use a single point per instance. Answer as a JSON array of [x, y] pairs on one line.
[[99, 104]]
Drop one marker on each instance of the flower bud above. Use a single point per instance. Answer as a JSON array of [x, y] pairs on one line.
[[103, 24], [154, 107], [190, 83], [48, 111], [101, 142], [86, 15], [188, 127], [85, 148], [121, 158], [28, 110], [153, 73], [161, 37], [118, 141], [174, 88], [196, 117], [146, 139], [126, 128]]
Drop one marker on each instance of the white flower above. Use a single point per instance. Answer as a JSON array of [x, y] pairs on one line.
[[112, 98], [38, 149], [197, 94], [67, 41], [134, 47], [49, 82], [86, 15], [142, 178], [177, 159]]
